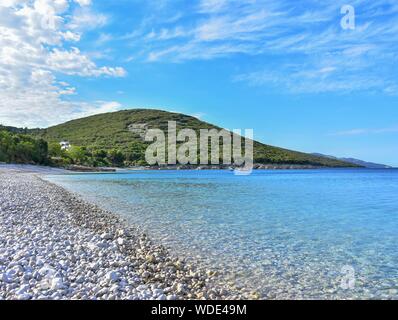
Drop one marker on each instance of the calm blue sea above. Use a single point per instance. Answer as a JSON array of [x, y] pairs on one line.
[[286, 234]]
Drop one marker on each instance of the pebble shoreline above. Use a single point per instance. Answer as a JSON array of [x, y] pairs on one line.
[[54, 245]]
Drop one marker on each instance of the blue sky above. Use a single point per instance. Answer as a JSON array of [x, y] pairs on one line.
[[285, 68]]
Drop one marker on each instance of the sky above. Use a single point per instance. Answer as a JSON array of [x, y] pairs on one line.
[[291, 70]]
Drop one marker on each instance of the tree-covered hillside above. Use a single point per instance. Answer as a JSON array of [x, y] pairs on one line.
[[115, 135], [21, 148]]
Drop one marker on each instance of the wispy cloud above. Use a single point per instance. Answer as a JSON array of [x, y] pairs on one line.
[[356, 132], [211, 6], [84, 18], [326, 57]]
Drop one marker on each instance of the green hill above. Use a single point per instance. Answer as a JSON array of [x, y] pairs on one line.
[[16, 147], [118, 131]]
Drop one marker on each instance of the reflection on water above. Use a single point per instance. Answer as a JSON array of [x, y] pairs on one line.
[[286, 234]]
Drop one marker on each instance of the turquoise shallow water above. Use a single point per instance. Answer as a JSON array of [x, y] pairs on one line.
[[286, 234]]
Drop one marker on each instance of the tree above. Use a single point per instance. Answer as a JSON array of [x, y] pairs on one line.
[[77, 154], [54, 150], [100, 154], [136, 152], [40, 154], [22, 148], [116, 157], [99, 158]]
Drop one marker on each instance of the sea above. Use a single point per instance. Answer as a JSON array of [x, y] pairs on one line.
[[284, 234]]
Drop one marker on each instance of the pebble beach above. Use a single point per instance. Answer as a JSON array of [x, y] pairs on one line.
[[54, 245]]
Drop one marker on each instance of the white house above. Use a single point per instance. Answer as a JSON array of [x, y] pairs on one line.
[[65, 145]]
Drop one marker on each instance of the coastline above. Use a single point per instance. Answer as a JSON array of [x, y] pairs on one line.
[[54, 245], [85, 169]]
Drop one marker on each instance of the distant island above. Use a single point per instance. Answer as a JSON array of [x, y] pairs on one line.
[[365, 164], [117, 140]]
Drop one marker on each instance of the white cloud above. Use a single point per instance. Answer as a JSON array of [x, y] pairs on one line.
[[32, 36], [73, 62], [71, 36], [198, 115], [83, 3], [39, 103], [85, 19], [96, 107]]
